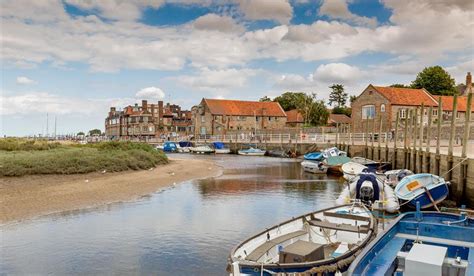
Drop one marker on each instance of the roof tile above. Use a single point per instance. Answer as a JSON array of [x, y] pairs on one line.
[[244, 108]]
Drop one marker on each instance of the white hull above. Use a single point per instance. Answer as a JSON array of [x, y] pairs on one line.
[[260, 153], [352, 169], [201, 149], [313, 167], [222, 151]]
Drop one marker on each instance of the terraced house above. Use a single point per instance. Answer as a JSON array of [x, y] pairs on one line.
[[148, 120], [217, 117]]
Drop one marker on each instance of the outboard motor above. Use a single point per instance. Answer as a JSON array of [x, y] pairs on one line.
[[367, 188]]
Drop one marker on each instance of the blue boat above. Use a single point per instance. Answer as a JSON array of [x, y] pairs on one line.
[[170, 147], [220, 147], [420, 243], [425, 188], [314, 156]]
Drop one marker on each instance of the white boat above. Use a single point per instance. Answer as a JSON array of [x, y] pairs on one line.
[[320, 242], [314, 167], [427, 189], [395, 176], [220, 148], [333, 152], [372, 191], [252, 152], [202, 149], [352, 169]]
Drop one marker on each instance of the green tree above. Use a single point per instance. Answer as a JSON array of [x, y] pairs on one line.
[[319, 114], [337, 95], [80, 133], [291, 100], [95, 132], [436, 80], [352, 98], [342, 110], [265, 99], [314, 112], [399, 85]]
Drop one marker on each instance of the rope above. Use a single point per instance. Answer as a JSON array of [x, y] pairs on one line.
[[459, 163]]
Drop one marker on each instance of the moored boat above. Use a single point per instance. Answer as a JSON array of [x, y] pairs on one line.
[[370, 190], [278, 153], [394, 176], [352, 169], [316, 167], [315, 156], [428, 189], [252, 152], [324, 241], [220, 148], [171, 147], [372, 165], [202, 149], [334, 164], [185, 146], [333, 152], [420, 243]]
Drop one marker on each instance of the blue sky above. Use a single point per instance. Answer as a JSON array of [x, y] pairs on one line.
[[74, 59]]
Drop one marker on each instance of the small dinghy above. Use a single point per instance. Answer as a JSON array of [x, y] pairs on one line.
[[394, 176], [314, 167], [334, 164], [372, 165], [219, 147], [352, 169], [367, 188], [203, 149], [420, 243], [333, 152], [314, 156], [323, 242], [252, 152], [428, 189], [277, 153]]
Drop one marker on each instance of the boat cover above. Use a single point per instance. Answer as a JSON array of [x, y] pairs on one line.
[[375, 186], [218, 145], [185, 144]]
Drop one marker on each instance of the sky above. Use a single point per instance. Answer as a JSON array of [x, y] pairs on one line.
[[73, 59]]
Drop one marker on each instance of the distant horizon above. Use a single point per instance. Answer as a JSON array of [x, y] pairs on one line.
[[74, 59]]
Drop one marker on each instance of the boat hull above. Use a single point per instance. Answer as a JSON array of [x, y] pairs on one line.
[[222, 151], [313, 167], [250, 153], [439, 193]]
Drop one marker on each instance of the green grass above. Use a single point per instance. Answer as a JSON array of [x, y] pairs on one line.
[[29, 159]]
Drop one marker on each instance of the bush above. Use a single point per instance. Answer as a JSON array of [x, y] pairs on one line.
[[109, 156], [15, 144]]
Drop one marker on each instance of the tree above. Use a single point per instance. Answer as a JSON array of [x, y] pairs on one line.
[[338, 95], [319, 114], [399, 85], [95, 132], [291, 100], [436, 80], [80, 133], [342, 110], [265, 99], [352, 98]]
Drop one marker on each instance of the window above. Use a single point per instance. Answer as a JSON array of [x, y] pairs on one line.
[[403, 113], [145, 119], [203, 119], [382, 108], [368, 112], [435, 112], [257, 119], [269, 118]]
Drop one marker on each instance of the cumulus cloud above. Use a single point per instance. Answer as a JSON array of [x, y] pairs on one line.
[[339, 9], [24, 80], [150, 93], [214, 22], [278, 10]]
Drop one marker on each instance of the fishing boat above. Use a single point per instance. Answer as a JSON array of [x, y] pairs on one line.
[[394, 176], [372, 165], [252, 152], [314, 156], [333, 152], [324, 241], [334, 164], [185, 146], [352, 169], [219, 147], [420, 243], [316, 167], [428, 189], [202, 149], [370, 190]]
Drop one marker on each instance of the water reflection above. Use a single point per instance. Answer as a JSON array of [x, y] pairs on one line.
[[188, 230]]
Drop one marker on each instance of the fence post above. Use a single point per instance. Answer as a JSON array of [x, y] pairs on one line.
[[405, 134], [427, 154], [464, 166], [452, 137], [395, 140], [420, 151], [415, 138], [438, 138]]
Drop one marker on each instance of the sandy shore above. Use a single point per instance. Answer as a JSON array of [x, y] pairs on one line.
[[30, 196]]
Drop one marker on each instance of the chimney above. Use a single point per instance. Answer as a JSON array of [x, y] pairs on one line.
[[160, 109], [468, 80], [144, 105]]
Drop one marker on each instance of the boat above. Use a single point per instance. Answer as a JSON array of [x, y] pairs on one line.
[[252, 152], [428, 189], [352, 169], [202, 149], [334, 164], [324, 241], [315, 156], [333, 152], [420, 243], [370, 190], [277, 153], [219, 147], [317, 167], [394, 176], [372, 165], [170, 147], [186, 146]]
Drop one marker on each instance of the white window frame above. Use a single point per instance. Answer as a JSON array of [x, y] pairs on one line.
[[403, 113], [368, 116], [382, 108]]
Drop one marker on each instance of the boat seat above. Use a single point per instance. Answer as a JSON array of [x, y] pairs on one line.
[[346, 216], [258, 252], [341, 227]]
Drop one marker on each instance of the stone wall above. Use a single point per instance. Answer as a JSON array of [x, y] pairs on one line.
[[371, 97]]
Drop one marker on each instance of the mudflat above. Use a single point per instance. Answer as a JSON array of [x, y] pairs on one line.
[[34, 195]]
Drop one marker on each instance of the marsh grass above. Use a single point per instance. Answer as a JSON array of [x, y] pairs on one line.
[[29, 159]]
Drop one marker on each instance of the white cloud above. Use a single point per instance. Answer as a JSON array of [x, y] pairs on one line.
[[339, 9], [278, 10], [24, 80], [150, 93], [217, 80], [214, 22], [337, 73], [459, 71]]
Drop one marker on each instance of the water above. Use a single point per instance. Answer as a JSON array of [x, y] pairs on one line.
[[186, 230]]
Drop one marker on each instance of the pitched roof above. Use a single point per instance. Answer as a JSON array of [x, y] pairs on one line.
[[406, 96], [339, 119], [244, 108], [294, 116], [447, 103]]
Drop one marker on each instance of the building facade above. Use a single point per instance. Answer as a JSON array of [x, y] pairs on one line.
[[217, 117], [148, 120]]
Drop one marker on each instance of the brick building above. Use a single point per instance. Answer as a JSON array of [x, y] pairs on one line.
[[294, 118], [148, 120], [213, 117]]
